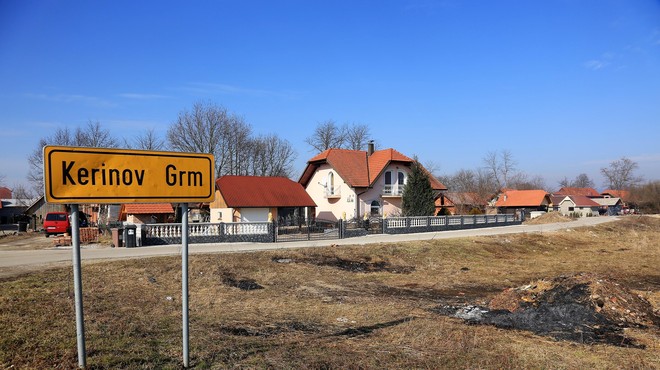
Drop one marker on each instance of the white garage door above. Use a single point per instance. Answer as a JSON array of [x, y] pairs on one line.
[[254, 214]]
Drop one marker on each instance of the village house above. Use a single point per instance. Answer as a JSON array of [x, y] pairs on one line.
[[527, 201], [609, 206], [578, 205], [353, 183], [146, 213], [257, 199]]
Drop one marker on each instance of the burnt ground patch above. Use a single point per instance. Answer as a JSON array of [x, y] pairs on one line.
[[582, 308], [231, 280], [363, 265], [454, 295], [268, 330]]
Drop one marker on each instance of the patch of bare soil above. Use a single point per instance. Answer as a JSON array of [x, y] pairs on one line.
[[365, 264], [25, 241], [584, 308], [548, 218]]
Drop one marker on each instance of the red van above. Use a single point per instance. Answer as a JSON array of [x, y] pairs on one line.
[[57, 223]]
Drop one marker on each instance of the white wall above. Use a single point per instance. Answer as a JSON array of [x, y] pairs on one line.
[[221, 215], [333, 208], [254, 214]]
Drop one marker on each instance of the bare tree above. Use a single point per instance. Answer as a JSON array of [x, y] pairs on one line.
[[357, 136], [581, 181], [22, 195], [501, 166], [479, 182], [646, 196], [620, 175], [148, 140], [520, 181], [272, 156], [2, 179], [236, 144], [93, 135], [327, 135], [210, 128]]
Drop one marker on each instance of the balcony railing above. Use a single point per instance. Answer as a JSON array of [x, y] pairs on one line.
[[332, 193], [392, 190]]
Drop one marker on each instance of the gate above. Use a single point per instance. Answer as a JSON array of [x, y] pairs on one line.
[[306, 230]]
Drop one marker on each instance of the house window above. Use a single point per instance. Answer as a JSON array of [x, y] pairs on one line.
[[401, 178], [571, 209], [375, 208], [388, 178], [331, 184]]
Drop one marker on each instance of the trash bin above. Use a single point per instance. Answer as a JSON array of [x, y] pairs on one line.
[[22, 226], [130, 237], [117, 237]]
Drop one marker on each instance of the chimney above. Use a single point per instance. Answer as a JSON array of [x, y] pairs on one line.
[[370, 147]]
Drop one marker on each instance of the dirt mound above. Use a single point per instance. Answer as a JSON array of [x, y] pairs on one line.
[[584, 308], [548, 218], [610, 299]]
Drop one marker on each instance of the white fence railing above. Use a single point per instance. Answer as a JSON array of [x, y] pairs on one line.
[[206, 229], [441, 221]]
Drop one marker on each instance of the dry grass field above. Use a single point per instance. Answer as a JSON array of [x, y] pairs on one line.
[[348, 307]]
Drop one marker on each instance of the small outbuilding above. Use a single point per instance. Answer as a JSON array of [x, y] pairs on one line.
[[259, 198], [515, 201]]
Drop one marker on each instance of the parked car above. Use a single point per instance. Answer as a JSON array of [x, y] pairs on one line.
[[56, 223], [59, 223]]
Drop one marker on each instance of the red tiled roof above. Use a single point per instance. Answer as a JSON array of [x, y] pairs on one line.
[[357, 168], [521, 198], [256, 191], [623, 194], [583, 201], [146, 208], [555, 199], [589, 192], [5, 193]]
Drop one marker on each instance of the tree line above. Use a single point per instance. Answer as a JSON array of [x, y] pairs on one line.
[[211, 128]]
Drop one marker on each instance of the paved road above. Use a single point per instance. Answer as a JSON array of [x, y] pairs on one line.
[[17, 262]]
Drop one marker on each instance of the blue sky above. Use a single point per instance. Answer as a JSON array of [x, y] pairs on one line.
[[566, 86]]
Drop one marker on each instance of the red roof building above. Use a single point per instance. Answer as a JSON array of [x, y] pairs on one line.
[[578, 205], [511, 201], [146, 213], [587, 192], [253, 198], [5, 193], [353, 183], [611, 193]]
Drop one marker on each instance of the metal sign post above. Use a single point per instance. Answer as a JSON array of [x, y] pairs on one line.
[[76, 175], [77, 286], [184, 280]]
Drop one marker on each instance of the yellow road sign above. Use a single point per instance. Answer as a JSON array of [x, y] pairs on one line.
[[95, 175]]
